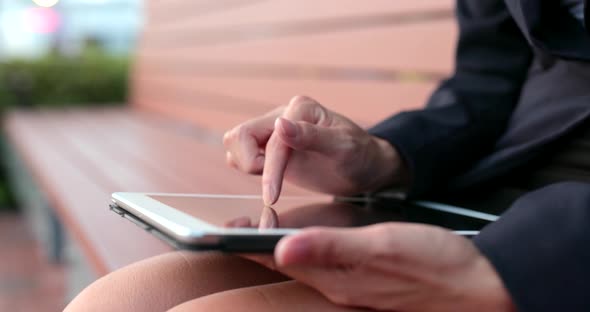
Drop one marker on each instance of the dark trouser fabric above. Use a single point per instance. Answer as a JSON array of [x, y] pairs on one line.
[[541, 248]]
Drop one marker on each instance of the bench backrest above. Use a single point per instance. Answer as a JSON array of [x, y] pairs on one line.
[[218, 62]]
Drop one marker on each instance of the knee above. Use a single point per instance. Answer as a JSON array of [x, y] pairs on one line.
[[154, 284], [127, 289], [571, 187], [105, 293], [102, 294], [558, 204], [557, 195], [270, 297], [159, 283]]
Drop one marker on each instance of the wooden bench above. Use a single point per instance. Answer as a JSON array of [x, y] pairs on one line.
[[202, 67]]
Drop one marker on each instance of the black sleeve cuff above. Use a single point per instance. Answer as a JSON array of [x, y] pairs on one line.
[[541, 249], [428, 138]]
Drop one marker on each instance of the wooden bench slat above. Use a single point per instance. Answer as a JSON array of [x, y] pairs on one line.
[[170, 155], [366, 103], [420, 47], [153, 174], [240, 12], [103, 161], [157, 159], [159, 12], [81, 203], [181, 154], [206, 117], [123, 167]]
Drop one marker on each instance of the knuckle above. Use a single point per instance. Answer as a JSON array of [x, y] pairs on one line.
[[302, 103], [233, 135], [278, 111], [301, 100], [227, 136], [242, 136], [306, 108], [241, 131]]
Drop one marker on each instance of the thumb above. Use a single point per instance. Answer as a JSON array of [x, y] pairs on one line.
[[305, 136], [323, 247]]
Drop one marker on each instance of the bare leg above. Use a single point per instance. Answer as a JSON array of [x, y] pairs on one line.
[[162, 282], [289, 296]]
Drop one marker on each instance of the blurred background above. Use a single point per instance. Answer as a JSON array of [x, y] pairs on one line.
[[54, 54], [100, 96]]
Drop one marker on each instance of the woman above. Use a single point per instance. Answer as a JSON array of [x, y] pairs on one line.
[[499, 133]]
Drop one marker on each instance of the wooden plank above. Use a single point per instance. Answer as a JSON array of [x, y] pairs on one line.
[[156, 157], [78, 199], [209, 118], [422, 47], [145, 158], [365, 103], [115, 168], [208, 147], [162, 12], [173, 163], [177, 14]]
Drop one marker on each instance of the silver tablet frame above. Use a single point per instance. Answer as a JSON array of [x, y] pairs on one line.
[[184, 227]]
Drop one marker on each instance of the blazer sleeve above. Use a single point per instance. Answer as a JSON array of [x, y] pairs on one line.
[[468, 112], [541, 249]]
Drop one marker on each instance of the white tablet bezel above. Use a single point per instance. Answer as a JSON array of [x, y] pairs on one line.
[[190, 230], [182, 226]]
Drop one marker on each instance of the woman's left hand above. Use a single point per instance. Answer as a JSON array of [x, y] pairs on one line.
[[394, 266]]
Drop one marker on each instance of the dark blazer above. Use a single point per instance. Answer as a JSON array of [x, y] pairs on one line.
[[470, 123], [521, 82]]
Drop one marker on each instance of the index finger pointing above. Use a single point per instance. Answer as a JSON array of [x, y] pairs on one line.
[[275, 162]]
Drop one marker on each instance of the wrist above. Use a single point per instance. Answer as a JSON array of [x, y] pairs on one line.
[[388, 167], [486, 291]]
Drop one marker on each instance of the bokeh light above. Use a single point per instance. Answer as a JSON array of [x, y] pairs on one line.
[[46, 3], [42, 20]]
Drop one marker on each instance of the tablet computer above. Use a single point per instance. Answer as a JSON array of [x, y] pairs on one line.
[[200, 221]]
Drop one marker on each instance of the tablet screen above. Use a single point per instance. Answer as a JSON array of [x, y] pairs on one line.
[[300, 212]]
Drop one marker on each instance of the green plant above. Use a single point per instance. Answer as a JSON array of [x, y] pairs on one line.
[[90, 79]]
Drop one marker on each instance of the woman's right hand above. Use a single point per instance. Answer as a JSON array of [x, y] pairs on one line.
[[314, 148]]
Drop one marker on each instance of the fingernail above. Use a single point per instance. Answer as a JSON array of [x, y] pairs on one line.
[[289, 127], [292, 251], [268, 218]]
